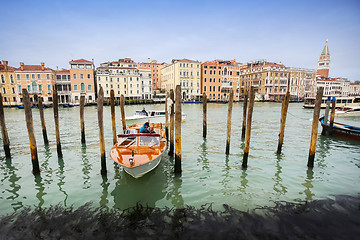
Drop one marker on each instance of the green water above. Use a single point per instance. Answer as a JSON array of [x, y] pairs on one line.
[[209, 176]]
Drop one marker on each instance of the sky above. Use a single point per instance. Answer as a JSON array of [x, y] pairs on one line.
[[293, 32]]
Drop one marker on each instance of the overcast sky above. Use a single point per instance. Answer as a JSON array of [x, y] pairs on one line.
[[293, 32]]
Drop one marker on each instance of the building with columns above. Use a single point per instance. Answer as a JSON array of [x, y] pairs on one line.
[[82, 80], [8, 84], [63, 85]]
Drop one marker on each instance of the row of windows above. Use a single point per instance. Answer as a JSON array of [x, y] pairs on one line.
[[33, 76], [81, 66], [3, 79], [12, 90], [212, 89], [187, 65], [82, 76], [5, 99], [205, 66]]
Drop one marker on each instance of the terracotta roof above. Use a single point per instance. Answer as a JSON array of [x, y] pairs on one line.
[[34, 68], [221, 63], [2, 68], [80, 61], [184, 60], [112, 67], [63, 71]]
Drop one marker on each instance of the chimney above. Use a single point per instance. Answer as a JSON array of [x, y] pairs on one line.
[[22, 66], [42, 66], [5, 63], [148, 60], [57, 68]]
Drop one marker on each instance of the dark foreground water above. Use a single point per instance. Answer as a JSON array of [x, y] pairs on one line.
[[208, 177]]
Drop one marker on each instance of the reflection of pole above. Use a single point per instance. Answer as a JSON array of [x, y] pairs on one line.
[[243, 131], [100, 103], [112, 105], [314, 130], [204, 99], [248, 127], [122, 108], [166, 117], [178, 130], [5, 136], [82, 122], [56, 118], [171, 150], [231, 97], [284, 108], [30, 128], [42, 119]]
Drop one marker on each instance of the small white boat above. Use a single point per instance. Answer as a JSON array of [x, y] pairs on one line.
[[151, 116], [348, 111], [139, 153]]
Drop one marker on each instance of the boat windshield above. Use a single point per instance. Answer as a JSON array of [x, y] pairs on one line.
[[149, 141], [141, 113], [126, 141]]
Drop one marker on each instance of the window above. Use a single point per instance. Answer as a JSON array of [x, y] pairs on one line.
[[39, 76], [49, 88], [204, 88], [99, 79], [204, 71], [82, 87], [74, 75], [27, 76], [19, 88], [4, 91], [13, 90], [18, 76], [204, 79], [47, 76], [81, 76], [2, 79], [40, 88], [88, 76], [75, 87], [89, 87], [32, 76], [28, 88]]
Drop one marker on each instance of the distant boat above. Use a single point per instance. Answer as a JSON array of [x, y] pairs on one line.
[[139, 153], [340, 130], [154, 116], [193, 101], [22, 106], [340, 102], [348, 112], [67, 105]]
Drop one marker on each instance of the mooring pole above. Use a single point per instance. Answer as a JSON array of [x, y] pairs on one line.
[[327, 110], [82, 122], [4, 133], [166, 117], [178, 130], [112, 105], [204, 99], [228, 135], [248, 127], [122, 109], [243, 130], [171, 150], [42, 119], [100, 104], [30, 128], [284, 109], [56, 118], [332, 115], [314, 130]]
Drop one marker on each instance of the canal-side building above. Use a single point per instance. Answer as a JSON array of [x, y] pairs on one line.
[[302, 83], [183, 72], [354, 88], [38, 80], [63, 85], [334, 87], [269, 80], [218, 77], [125, 78], [8, 84], [82, 80], [155, 71]]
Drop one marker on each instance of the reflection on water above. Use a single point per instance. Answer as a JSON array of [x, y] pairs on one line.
[[309, 184], [208, 174]]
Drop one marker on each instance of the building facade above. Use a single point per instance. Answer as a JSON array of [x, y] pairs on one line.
[[38, 80], [354, 88], [155, 70], [302, 83], [82, 80], [218, 77], [63, 85], [8, 84], [124, 78], [185, 73]]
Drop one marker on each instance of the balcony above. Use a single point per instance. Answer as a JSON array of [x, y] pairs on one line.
[[283, 82], [226, 84], [82, 91]]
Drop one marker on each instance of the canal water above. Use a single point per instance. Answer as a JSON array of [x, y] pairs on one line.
[[209, 176]]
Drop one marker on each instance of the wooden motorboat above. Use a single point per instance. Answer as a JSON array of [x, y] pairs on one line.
[[139, 153], [348, 112], [340, 130]]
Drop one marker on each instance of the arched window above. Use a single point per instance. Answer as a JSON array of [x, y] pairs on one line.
[[2, 79], [82, 86], [34, 86]]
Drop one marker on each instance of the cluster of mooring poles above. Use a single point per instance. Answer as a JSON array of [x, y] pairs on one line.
[[173, 116]]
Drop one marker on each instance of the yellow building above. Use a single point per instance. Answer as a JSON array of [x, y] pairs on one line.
[[8, 84], [185, 73]]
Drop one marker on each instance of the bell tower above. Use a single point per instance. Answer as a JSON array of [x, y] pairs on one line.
[[324, 62]]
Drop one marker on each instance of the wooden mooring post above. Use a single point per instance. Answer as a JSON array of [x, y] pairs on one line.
[[248, 127], [4, 133], [82, 122], [243, 130], [332, 115], [112, 105], [178, 130], [56, 118], [30, 128], [166, 116], [204, 100], [122, 109], [228, 135], [284, 109], [100, 107], [42, 119], [314, 130], [171, 149]]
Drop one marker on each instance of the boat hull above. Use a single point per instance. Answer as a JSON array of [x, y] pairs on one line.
[[141, 170], [340, 130]]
